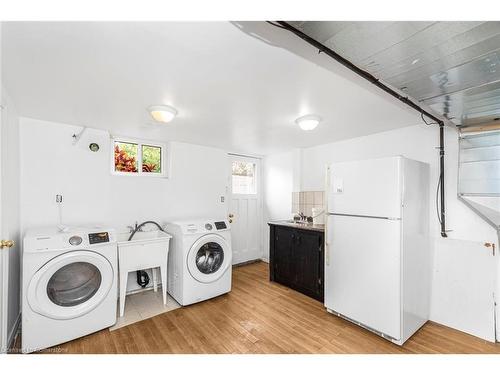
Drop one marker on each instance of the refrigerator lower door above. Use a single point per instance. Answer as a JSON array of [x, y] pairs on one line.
[[362, 271]]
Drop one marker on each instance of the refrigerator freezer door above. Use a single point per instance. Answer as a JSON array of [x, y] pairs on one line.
[[366, 188], [362, 277]]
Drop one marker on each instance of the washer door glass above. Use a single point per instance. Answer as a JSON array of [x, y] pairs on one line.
[[74, 284], [209, 258]]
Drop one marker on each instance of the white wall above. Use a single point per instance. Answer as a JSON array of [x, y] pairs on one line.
[[10, 206], [458, 301], [278, 180], [51, 165]]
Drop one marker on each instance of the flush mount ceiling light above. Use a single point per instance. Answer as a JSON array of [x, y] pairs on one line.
[[308, 122], [162, 113]]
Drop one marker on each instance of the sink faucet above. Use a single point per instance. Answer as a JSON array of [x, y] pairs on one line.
[[299, 217], [134, 228], [138, 228]]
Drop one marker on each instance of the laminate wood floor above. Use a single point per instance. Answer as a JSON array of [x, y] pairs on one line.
[[263, 317]]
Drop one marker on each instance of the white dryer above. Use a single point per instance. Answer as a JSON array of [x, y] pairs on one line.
[[69, 285], [200, 258]]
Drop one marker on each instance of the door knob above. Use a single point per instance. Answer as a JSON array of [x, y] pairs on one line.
[[6, 243], [492, 245]]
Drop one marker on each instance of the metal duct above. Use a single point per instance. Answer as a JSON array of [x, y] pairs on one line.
[[377, 82], [451, 67]]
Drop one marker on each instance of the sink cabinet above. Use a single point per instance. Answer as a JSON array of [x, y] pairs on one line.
[[296, 259]]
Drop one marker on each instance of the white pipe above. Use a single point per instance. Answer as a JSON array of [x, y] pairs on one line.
[[76, 137]]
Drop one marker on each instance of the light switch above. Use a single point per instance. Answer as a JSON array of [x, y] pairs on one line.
[[338, 185]]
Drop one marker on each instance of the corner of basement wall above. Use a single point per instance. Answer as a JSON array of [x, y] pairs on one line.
[[278, 182], [463, 280]]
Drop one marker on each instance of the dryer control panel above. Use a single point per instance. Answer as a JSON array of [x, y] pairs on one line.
[[99, 237], [50, 238]]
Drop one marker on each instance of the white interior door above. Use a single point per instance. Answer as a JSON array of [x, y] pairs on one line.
[[9, 214], [4, 261], [4, 257], [245, 208]]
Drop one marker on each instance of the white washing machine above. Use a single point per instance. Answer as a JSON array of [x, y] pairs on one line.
[[199, 263], [69, 285]]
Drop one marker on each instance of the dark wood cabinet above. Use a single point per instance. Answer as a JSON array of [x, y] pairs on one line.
[[296, 259]]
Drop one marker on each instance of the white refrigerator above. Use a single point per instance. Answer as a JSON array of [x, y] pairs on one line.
[[377, 259]]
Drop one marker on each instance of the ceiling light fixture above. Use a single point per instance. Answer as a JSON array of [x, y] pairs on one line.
[[162, 113], [308, 122]]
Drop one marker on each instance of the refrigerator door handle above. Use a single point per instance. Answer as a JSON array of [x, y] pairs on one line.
[[327, 244], [327, 210], [365, 216]]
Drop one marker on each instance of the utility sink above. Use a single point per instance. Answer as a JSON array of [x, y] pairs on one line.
[[146, 250], [143, 238]]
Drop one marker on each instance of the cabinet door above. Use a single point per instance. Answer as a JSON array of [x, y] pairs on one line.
[[307, 255], [283, 243]]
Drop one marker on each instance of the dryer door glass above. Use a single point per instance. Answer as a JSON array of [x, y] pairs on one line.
[[74, 284], [209, 257]]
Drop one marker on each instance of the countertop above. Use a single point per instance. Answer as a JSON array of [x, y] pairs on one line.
[[306, 226]]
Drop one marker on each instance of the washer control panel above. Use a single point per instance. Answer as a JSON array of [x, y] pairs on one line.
[[98, 237], [200, 226], [220, 225]]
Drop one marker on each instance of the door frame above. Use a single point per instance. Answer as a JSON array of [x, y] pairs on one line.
[[4, 282], [4, 259], [260, 192]]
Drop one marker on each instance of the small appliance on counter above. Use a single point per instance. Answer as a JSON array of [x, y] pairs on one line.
[[318, 215]]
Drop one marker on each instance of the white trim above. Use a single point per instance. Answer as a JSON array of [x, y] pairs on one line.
[[260, 157], [4, 298], [257, 177], [165, 157], [13, 332]]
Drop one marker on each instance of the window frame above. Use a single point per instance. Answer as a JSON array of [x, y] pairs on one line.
[[256, 177], [164, 156]]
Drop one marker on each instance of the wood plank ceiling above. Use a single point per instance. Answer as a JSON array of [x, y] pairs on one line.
[[451, 67]]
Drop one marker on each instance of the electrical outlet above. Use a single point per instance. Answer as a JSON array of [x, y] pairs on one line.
[[222, 199], [59, 198]]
